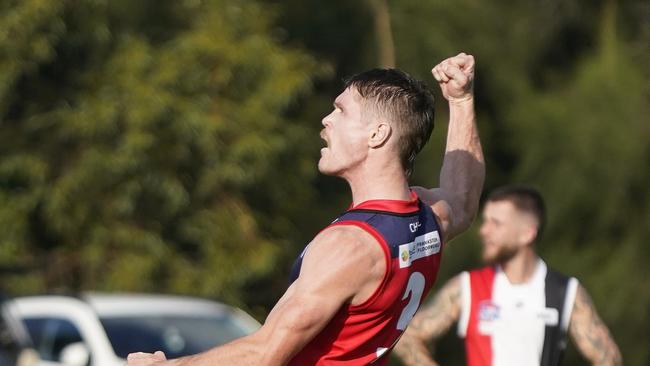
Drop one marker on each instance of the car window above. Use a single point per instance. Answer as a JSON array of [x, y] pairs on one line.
[[177, 336], [51, 335]]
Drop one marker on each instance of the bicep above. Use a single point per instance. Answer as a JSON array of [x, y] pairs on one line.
[[301, 314]]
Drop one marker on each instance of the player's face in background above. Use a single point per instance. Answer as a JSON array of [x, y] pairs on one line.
[[504, 231], [346, 135]]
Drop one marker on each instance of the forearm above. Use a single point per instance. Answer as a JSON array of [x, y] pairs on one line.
[[463, 168], [413, 352], [611, 360], [284, 334], [607, 355], [242, 352]]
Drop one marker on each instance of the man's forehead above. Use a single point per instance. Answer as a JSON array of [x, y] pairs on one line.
[[499, 208], [497, 204], [505, 208], [349, 94]]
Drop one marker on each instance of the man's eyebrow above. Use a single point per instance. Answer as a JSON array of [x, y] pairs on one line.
[[338, 105]]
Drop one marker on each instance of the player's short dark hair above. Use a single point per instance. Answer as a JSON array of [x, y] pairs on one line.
[[524, 198], [405, 101]]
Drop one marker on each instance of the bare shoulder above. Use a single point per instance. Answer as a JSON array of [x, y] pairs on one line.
[[583, 300], [350, 239], [348, 258], [584, 311], [583, 306]]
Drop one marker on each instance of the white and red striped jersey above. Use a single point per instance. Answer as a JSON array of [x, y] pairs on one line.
[[506, 324]]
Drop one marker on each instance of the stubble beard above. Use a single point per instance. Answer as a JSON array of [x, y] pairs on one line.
[[502, 255]]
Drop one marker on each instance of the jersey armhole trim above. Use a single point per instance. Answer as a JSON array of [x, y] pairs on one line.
[[569, 300], [384, 246], [465, 304]]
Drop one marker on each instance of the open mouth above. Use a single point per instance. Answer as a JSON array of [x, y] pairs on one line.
[[326, 143]]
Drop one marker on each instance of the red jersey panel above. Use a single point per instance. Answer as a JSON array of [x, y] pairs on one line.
[[478, 346]]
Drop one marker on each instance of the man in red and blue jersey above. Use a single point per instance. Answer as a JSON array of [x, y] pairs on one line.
[[359, 282]]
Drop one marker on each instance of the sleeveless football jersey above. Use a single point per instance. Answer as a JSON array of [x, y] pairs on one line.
[[508, 324], [364, 334]]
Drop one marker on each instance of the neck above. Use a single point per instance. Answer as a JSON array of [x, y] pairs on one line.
[[369, 182], [521, 267]]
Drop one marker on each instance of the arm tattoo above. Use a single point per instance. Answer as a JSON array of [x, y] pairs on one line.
[[590, 334], [432, 321]]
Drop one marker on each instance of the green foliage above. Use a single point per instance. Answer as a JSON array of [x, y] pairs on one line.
[[128, 141], [587, 145], [159, 145], [563, 104]]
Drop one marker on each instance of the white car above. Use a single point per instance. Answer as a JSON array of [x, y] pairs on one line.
[[15, 344], [102, 329]]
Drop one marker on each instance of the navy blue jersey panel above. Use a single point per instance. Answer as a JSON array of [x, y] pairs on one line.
[[395, 228]]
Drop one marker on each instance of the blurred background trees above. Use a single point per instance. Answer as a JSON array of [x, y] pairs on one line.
[[171, 146], [131, 134]]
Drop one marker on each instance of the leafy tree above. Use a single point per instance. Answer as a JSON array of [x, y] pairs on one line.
[[131, 132], [563, 103], [587, 144]]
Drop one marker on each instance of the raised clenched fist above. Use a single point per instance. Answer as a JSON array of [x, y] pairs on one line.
[[456, 77]]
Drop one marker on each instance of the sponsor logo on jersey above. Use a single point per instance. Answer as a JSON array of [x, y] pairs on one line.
[[414, 226], [488, 317], [405, 255], [423, 246], [488, 311]]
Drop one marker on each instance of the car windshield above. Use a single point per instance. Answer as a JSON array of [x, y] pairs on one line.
[[177, 336]]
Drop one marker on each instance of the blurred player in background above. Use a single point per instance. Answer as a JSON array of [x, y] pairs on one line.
[[515, 311]]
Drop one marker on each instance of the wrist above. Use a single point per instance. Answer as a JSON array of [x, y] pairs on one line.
[[467, 99]]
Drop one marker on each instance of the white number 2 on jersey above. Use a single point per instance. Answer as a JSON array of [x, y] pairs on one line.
[[415, 288]]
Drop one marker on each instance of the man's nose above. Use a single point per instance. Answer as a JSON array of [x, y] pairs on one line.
[[325, 121]]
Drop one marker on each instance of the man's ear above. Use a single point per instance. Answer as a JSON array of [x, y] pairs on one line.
[[528, 235], [380, 135]]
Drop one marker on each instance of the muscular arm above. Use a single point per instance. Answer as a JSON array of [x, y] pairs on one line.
[[343, 265], [428, 324], [590, 334], [463, 169]]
